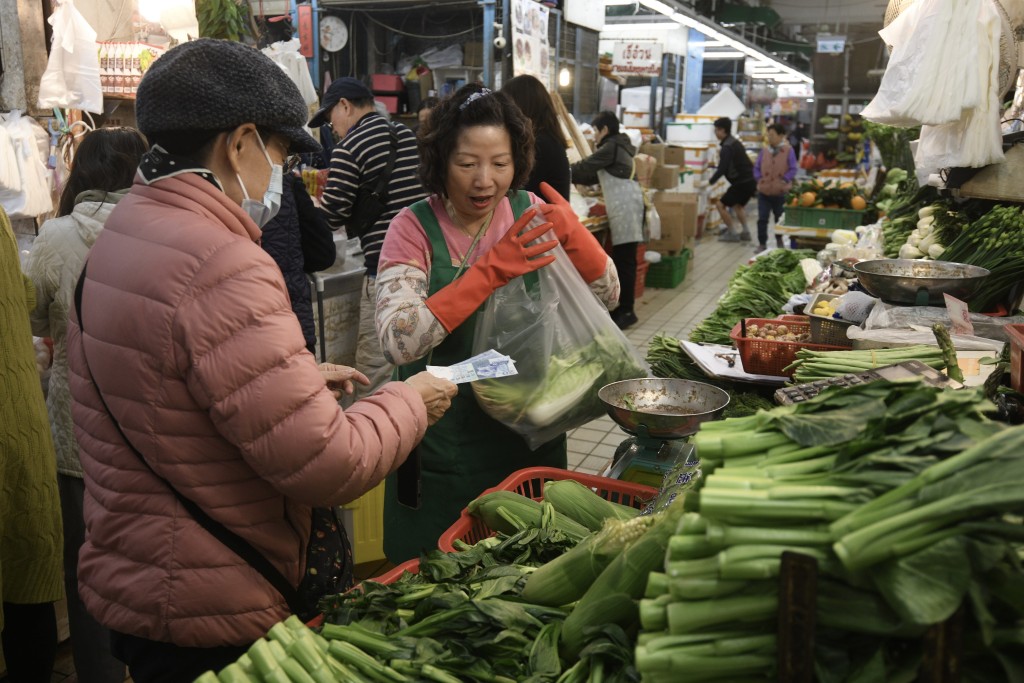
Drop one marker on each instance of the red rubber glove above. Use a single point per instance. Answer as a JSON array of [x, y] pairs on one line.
[[507, 259], [581, 246]]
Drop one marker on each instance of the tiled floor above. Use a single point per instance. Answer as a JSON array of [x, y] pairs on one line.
[[674, 312], [670, 311]]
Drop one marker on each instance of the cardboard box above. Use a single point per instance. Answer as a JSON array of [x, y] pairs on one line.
[[656, 150], [690, 157], [386, 83], [665, 177], [678, 214], [473, 54], [644, 165]]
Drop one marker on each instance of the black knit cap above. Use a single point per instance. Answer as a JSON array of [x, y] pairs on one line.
[[215, 85]]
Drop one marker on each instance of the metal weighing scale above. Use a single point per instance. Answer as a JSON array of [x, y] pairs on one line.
[[658, 414]]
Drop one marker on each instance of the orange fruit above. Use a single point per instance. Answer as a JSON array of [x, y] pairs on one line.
[[808, 199], [858, 203]]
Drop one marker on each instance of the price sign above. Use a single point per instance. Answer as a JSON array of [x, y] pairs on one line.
[[959, 316], [635, 58]]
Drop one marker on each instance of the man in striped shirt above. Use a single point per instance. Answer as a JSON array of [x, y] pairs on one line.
[[357, 162]]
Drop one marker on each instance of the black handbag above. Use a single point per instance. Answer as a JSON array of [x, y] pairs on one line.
[[327, 541]]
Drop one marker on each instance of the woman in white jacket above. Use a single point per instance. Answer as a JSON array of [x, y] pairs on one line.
[[104, 166]]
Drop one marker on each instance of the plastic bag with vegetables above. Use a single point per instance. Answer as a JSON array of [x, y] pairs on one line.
[[565, 345]]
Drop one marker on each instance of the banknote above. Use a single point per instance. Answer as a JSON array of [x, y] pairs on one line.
[[487, 365]]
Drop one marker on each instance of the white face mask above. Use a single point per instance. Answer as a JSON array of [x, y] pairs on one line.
[[262, 211]]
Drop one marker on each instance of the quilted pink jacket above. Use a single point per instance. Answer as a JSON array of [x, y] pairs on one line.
[[191, 337]]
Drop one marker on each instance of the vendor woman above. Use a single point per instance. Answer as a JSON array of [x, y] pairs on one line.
[[473, 218]]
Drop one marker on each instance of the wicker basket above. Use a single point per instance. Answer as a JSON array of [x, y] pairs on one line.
[[828, 330], [769, 356]]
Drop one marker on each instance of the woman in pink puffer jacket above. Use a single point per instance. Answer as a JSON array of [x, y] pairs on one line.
[[192, 373]]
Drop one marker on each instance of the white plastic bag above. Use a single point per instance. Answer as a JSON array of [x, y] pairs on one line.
[[652, 219], [72, 76], [565, 346], [32, 197]]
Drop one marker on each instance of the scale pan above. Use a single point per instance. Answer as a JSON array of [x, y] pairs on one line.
[[662, 408]]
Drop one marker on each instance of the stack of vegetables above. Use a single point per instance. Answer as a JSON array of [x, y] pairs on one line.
[[667, 359], [811, 366], [938, 225], [996, 242], [899, 491], [759, 290], [553, 597], [826, 195], [901, 218]]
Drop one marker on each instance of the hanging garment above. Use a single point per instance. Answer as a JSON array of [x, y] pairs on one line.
[[72, 76], [286, 54]]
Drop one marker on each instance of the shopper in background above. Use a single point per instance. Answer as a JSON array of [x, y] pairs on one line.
[[797, 137], [357, 163], [423, 113], [30, 531], [478, 149], [197, 408], [734, 165], [104, 166], [774, 171], [611, 164], [300, 241], [550, 163]]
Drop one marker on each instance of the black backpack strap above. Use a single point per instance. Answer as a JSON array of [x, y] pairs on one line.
[[233, 541], [385, 176]]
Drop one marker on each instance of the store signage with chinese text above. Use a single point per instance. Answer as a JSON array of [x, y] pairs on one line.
[[636, 58]]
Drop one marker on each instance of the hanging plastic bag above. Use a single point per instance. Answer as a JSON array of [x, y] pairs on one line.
[[72, 76], [33, 197], [652, 219], [565, 346]]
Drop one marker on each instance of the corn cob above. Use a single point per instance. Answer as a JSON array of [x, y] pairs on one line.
[[491, 506], [566, 578], [579, 503], [612, 598]]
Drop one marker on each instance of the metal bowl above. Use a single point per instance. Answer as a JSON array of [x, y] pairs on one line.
[[919, 283], [662, 408]]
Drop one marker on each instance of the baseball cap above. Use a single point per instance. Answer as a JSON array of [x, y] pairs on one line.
[[341, 88]]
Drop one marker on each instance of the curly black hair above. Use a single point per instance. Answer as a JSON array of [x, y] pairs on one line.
[[472, 105]]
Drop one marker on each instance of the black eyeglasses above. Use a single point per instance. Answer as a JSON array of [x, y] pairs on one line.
[[292, 162]]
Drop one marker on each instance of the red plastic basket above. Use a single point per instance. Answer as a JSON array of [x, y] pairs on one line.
[[770, 357], [1016, 335], [529, 482]]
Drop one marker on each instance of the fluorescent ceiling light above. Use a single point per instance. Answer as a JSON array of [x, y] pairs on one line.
[[714, 34], [725, 54], [641, 25], [714, 43], [658, 6], [619, 2]]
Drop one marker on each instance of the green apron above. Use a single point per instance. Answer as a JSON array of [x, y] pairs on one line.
[[466, 451]]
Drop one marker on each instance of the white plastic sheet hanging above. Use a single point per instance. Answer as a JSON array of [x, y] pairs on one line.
[[33, 198], [72, 76], [976, 139], [931, 76], [10, 175]]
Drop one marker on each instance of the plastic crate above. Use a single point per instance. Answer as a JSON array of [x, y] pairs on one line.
[[770, 357], [813, 217], [668, 273], [1016, 335], [641, 276], [530, 483], [827, 330]]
